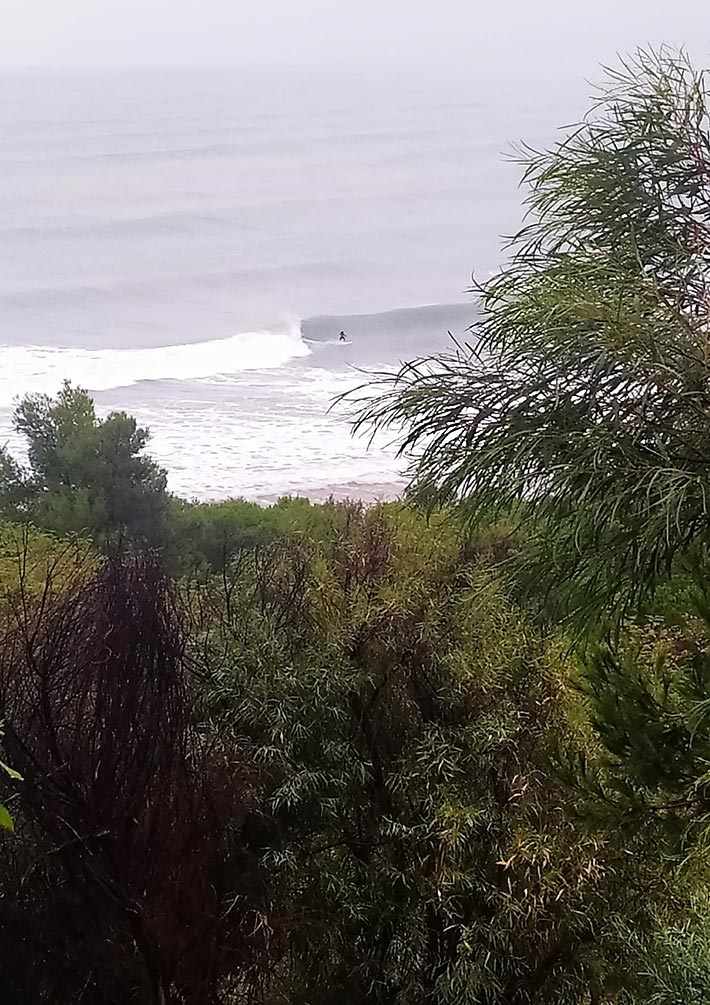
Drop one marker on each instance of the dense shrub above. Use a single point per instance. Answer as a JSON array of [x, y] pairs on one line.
[[130, 876], [422, 847]]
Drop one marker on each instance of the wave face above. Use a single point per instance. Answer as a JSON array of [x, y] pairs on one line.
[[159, 230], [42, 369], [145, 209]]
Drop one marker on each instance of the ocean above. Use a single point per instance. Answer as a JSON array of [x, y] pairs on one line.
[[188, 245]]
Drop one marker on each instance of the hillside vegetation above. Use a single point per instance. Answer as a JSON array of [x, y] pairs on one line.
[[446, 751]]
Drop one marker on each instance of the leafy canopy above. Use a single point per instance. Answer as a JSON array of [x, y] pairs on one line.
[[583, 399], [86, 474]]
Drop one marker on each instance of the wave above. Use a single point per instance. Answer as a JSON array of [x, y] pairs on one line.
[[190, 220], [42, 369], [159, 286], [327, 341], [158, 155]]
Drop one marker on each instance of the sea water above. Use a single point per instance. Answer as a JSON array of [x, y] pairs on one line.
[[188, 245]]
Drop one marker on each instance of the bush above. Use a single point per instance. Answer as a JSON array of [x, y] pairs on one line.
[[421, 845]]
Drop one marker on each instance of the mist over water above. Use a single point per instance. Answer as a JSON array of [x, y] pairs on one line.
[[186, 245]]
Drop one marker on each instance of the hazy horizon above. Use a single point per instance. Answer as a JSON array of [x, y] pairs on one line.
[[187, 244], [452, 36]]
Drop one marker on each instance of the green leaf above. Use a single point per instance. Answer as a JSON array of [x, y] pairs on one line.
[[6, 822], [11, 772]]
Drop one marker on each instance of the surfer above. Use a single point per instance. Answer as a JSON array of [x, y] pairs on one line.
[[342, 337]]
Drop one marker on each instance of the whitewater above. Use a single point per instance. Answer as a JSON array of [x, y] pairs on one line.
[[41, 369], [188, 245]]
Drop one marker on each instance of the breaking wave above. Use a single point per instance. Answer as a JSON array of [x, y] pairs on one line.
[[42, 368]]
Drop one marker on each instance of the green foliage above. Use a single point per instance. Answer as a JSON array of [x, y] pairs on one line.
[[425, 795], [208, 536], [582, 401], [407, 715], [401, 721], [579, 410], [6, 822], [648, 701], [36, 565], [86, 475], [14, 494], [677, 971]]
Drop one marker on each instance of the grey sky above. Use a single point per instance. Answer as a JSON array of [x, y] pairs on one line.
[[433, 34]]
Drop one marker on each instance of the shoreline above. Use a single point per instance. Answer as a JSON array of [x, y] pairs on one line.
[[260, 432]]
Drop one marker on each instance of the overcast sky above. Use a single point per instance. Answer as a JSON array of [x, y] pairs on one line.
[[433, 34]]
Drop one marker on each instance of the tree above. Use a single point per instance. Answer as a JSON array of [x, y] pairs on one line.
[[583, 400], [86, 474], [422, 849], [131, 877]]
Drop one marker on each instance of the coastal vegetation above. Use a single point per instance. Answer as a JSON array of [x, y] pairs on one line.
[[452, 749]]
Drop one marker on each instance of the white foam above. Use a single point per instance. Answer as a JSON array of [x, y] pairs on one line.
[[42, 368], [326, 341]]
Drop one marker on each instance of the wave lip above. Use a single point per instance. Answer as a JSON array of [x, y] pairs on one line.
[[42, 369]]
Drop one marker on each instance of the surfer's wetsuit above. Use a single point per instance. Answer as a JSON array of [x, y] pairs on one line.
[[343, 337]]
